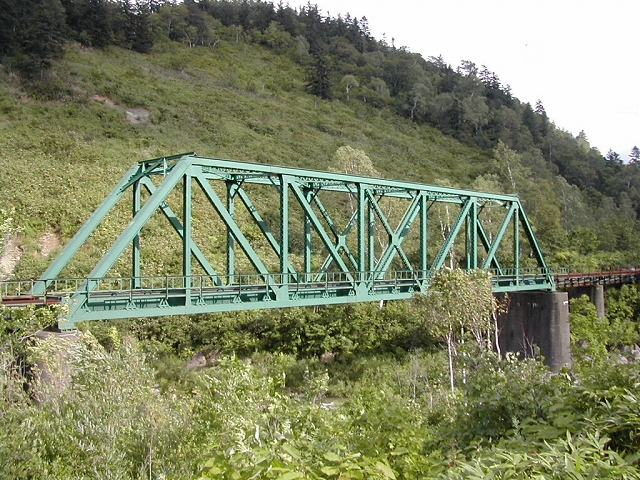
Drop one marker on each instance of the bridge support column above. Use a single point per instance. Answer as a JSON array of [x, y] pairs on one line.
[[537, 319], [595, 294], [52, 362]]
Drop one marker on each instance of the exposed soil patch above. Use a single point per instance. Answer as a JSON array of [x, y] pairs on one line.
[[134, 115], [49, 242], [11, 252], [103, 99], [137, 115]]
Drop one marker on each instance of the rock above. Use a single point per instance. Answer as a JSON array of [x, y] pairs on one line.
[[137, 115], [197, 361], [327, 357], [213, 358]]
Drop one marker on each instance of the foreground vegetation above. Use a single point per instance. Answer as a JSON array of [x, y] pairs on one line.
[[267, 416], [257, 82], [119, 401]]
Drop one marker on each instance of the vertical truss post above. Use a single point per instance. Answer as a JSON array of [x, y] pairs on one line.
[[231, 252], [371, 239], [516, 244], [284, 229], [308, 193], [135, 245], [472, 235], [424, 225], [187, 241], [362, 232]]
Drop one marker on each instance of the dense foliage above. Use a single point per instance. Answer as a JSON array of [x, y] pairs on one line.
[[118, 406]]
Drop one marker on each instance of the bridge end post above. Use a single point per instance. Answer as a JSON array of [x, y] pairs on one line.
[[537, 319]]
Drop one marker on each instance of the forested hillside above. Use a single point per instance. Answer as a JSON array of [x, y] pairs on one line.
[[248, 80], [417, 389]]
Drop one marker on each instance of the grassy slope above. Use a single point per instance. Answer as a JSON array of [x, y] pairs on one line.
[[237, 101]]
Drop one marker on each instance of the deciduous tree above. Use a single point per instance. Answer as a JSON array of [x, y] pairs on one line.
[[349, 82], [459, 302]]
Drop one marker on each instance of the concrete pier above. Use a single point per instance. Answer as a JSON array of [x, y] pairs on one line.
[[537, 319], [53, 371], [595, 294]]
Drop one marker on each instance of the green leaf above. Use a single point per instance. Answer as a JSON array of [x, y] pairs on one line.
[[332, 457], [386, 470], [330, 470], [547, 432], [291, 450], [291, 475], [400, 451]]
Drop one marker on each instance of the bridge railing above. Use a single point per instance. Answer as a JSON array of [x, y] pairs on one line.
[[242, 282], [154, 282], [17, 288]]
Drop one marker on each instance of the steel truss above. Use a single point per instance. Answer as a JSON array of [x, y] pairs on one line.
[[383, 246]]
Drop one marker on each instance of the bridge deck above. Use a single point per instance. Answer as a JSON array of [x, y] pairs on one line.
[[127, 297], [607, 277], [110, 298]]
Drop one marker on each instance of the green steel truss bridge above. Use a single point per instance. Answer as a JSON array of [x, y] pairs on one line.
[[252, 235]]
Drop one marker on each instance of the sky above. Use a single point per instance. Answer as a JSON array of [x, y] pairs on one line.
[[580, 58]]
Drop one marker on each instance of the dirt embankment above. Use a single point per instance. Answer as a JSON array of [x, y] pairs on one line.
[[13, 249]]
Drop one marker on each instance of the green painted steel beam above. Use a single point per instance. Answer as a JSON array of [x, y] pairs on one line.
[[264, 228], [330, 181], [133, 229], [438, 262], [347, 267], [339, 236], [315, 222], [237, 233], [472, 224], [135, 246], [187, 240], [284, 224], [398, 235], [179, 228], [83, 234]]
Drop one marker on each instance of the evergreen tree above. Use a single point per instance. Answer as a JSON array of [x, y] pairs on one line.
[[634, 156], [543, 119], [136, 27], [39, 33], [90, 21], [613, 159], [8, 25], [315, 28], [319, 79]]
